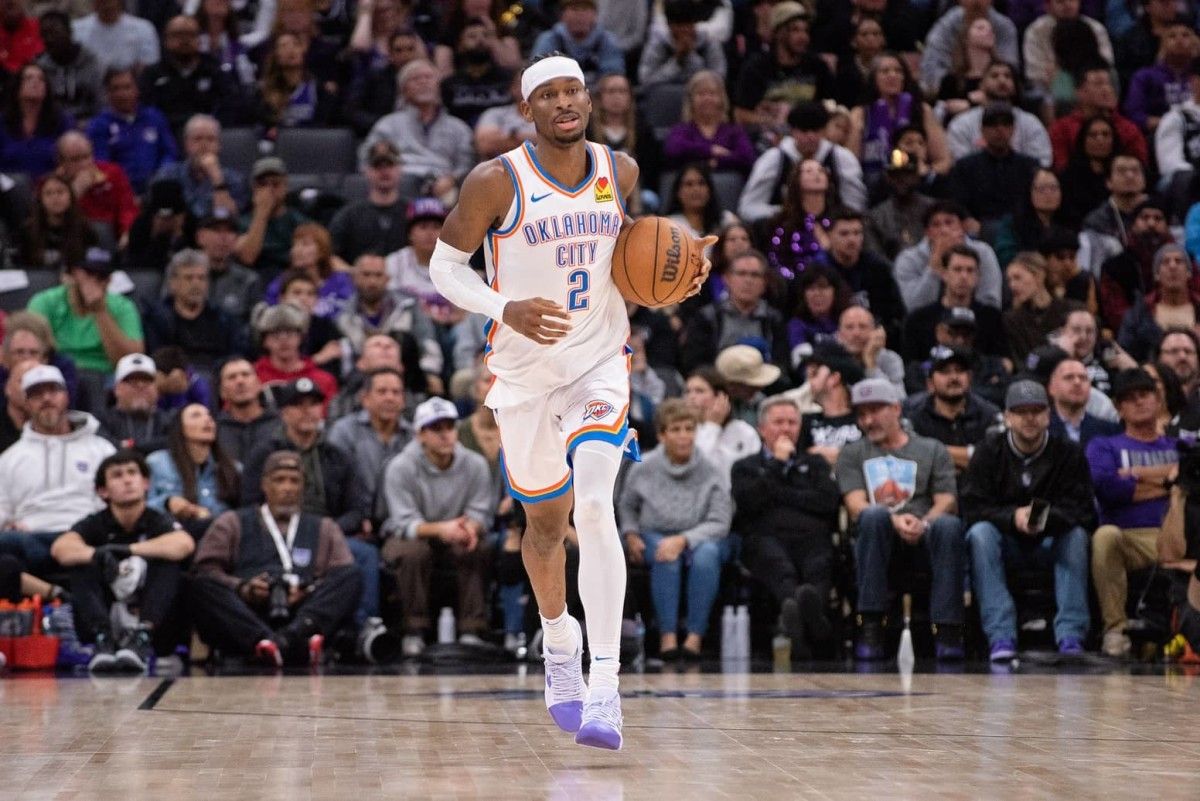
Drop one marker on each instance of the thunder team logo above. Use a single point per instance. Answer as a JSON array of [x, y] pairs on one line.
[[597, 410]]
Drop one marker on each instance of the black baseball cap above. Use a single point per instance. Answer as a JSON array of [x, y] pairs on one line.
[[220, 217], [838, 360], [941, 355], [1129, 381], [959, 317], [293, 392]]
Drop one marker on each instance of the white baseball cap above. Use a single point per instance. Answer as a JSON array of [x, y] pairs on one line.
[[42, 374], [135, 364], [433, 410]]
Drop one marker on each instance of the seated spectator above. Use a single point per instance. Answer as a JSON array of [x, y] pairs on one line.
[[956, 329], [868, 275], [821, 297], [72, 71], [92, 325], [1069, 389], [1157, 88], [675, 506], [693, 204], [502, 128], [312, 254], [831, 371], [282, 329], [101, 187], [27, 336], [937, 57], [1177, 350], [16, 411], [787, 506], [959, 283], [743, 315], [267, 231], [1102, 358], [408, 268], [1038, 50], [1095, 96], [37, 503], [898, 485], [1172, 302], [898, 222], [244, 421], [733, 240], [134, 421], [992, 181], [477, 82], [799, 233], [373, 94], [177, 382], [119, 40], [126, 555], [290, 94], [1132, 472], [187, 82], [1065, 276], [948, 410], [675, 55], [1035, 313], [435, 148], [746, 376], [232, 287], [772, 80], [578, 36], [1011, 475], [964, 134], [1084, 180], [162, 229], [865, 36], [616, 123], [56, 233], [193, 479], [238, 561], [373, 225], [20, 37], [864, 339], [721, 438], [129, 133], [439, 499], [208, 185], [31, 123], [762, 196], [322, 340], [1126, 184], [379, 352], [185, 317], [1126, 265], [918, 269], [704, 132]]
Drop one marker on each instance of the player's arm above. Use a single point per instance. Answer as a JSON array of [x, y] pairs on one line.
[[484, 199]]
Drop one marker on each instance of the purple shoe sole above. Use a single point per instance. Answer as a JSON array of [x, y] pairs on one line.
[[596, 735], [567, 716]]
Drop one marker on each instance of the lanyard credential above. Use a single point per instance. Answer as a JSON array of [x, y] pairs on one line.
[[283, 546]]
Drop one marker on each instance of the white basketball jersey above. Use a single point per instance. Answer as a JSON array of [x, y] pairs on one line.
[[556, 242]]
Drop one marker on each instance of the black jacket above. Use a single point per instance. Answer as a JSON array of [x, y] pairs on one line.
[[969, 428], [239, 439], [207, 340], [209, 89], [782, 500], [345, 498], [872, 284], [145, 433], [705, 331], [993, 485]]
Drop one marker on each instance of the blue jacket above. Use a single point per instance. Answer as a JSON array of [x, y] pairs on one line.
[[141, 145], [166, 483], [598, 54]]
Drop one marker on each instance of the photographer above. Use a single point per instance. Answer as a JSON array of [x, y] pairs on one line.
[[1179, 539], [272, 580]]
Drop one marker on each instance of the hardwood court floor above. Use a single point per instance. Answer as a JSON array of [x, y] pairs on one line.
[[745, 736]]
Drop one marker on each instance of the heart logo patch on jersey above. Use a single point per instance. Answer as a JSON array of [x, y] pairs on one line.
[[597, 410], [604, 190]]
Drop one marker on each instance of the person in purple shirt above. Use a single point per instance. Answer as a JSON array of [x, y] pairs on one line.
[[706, 134], [1156, 89], [1132, 473]]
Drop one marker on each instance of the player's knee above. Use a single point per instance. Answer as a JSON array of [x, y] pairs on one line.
[[544, 539], [591, 510]]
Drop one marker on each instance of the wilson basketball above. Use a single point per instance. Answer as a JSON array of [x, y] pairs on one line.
[[653, 264]]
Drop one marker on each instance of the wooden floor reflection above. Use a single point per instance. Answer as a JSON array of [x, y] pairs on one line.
[[766, 736]]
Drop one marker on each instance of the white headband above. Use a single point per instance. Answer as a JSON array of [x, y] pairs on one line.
[[547, 70]]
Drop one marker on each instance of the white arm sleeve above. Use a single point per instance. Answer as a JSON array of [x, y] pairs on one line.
[[462, 286]]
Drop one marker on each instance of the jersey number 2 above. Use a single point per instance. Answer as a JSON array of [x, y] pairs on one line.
[[580, 282]]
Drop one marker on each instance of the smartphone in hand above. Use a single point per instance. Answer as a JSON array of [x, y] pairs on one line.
[[1039, 515]]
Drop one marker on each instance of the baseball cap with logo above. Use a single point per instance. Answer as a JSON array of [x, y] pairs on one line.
[[42, 374], [426, 208], [940, 356], [295, 391], [433, 411], [873, 390], [1025, 393], [98, 261], [744, 364], [135, 364], [959, 317]]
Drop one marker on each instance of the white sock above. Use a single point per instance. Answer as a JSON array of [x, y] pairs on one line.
[[601, 558], [558, 635]]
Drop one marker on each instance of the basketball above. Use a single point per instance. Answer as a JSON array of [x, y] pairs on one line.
[[654, 263]]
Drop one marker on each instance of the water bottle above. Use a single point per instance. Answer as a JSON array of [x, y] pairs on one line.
[[781, 648], [743, 632], [446, 626], [728, 625]]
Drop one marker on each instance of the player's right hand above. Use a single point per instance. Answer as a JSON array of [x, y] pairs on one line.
[[539, 319]]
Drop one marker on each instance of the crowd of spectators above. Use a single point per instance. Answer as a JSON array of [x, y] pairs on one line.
[[952, 322]]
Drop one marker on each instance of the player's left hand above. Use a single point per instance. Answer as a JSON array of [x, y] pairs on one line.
[[701, 245]]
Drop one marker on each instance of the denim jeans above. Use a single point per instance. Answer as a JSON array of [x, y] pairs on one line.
[[704, 579], [991, 551], [943, 541], [366, 558], [32, 548]]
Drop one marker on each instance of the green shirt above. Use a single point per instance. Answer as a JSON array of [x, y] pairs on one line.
[[276, 255], [77, 336]]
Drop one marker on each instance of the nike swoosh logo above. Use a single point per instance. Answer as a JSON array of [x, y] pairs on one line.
[[536, 198], [602, 659]]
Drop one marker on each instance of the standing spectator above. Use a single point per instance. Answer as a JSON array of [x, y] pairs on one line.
[[720, 437], [937, 57], [947, 410], [119, 40], [133, 420], [831, 372], [282, 329], [680, 52], [704, 132], [374, 225], [188, 82], [1041, 66], [435, 148], [1172, 302], [1132, 472], [101, 187], [787, 507], [1069, 389], [187, 319], [20, 37], [207, 184], [1095, 96], [192, 478], [578, 36], [106, 550], [30, 123], [964, 134], [477, 82], [960, 280], [919, 269], [244, 551], [771, 83], [244, 420], [990, 183], [898, 485], [1010, 474], [868, 275], [439, 498], [232, 287], [1156, 89], [72, 70], [866, 340], [268, 230], [675, 507]]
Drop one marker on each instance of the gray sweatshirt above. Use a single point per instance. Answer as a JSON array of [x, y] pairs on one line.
[[689, 499], [921, 286], [417, 492]]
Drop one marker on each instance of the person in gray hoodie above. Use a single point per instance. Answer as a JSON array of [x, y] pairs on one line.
[[675, 507]]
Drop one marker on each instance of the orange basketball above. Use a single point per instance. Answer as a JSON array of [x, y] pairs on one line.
[[654, 263]]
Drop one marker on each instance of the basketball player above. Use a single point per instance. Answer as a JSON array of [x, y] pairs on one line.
[[550, 214]]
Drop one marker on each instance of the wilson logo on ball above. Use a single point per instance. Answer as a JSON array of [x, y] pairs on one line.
[[670, 270]]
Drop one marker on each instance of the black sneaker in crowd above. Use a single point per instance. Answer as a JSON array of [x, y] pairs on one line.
[[868, 647], [948, 642], [104, 659], [136, 652], [792, 624], [812, 612]]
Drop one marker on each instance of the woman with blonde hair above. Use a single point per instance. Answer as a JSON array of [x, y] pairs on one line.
[[705, 132], [312, 254], [1035, 312]]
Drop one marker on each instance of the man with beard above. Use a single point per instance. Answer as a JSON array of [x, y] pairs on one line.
[[187, 81], [948, 411], [770, 83], [477, 83], [999, 85], [244, 421], [134, 420], [374, 224], [1178, 350], [900, 486], [1125, 265], [831, 373], [1069, 389], [186, 318]]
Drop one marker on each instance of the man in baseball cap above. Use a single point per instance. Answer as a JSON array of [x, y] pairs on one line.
[[831, 372], [947, 410], [266, 243], [134, 419], [900, 489]]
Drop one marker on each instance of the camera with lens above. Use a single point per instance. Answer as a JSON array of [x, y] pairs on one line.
[[1189, 467], [277, 596]]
